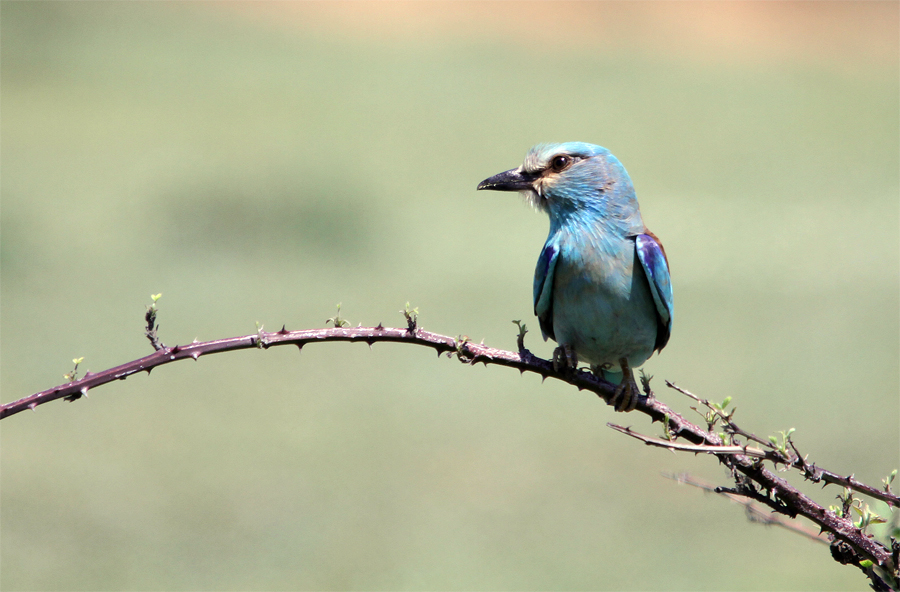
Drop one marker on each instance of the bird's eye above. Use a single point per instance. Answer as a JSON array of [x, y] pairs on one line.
[[560, 162]]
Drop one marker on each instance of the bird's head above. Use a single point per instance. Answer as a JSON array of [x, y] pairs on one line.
[[572, 179]]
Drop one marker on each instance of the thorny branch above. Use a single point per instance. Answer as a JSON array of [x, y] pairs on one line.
[[754, 480], [797, 461]]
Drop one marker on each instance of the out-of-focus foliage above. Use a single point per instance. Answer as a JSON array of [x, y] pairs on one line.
[[263, 162]]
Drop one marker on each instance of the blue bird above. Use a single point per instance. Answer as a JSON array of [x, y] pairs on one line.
[[602, 289]]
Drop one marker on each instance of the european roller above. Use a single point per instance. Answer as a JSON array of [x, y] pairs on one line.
[[602, 289]]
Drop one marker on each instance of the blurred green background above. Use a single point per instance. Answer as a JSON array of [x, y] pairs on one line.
[[263, 162]]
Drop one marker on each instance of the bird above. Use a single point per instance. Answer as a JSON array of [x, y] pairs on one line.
[[602, 288]]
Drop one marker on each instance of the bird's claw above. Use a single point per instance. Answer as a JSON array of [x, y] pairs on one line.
[[564, 358], [626, 396]]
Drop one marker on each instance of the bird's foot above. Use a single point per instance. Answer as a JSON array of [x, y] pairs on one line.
[[564, 358], [627, 394]]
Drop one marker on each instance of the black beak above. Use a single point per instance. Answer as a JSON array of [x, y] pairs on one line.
[[511, 180]]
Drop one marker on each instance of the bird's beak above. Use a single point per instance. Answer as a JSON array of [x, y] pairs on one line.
[[511, 180]]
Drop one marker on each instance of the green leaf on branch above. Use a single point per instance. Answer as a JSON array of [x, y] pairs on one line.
[[336, 320]]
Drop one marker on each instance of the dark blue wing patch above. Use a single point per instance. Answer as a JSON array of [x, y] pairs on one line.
[[656, 267], [543, 289]]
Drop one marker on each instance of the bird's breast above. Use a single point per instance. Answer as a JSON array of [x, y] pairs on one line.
[[602, 304]]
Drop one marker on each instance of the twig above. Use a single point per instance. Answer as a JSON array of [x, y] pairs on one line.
[[695, 448], [810, 471]]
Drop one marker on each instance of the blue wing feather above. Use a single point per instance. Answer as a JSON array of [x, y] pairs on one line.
[[543, 289], [656, 267]]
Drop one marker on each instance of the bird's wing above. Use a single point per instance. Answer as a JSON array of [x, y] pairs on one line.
[[656, 266], [543, 288]]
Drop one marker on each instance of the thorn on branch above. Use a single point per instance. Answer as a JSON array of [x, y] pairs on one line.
[[75, 396]]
